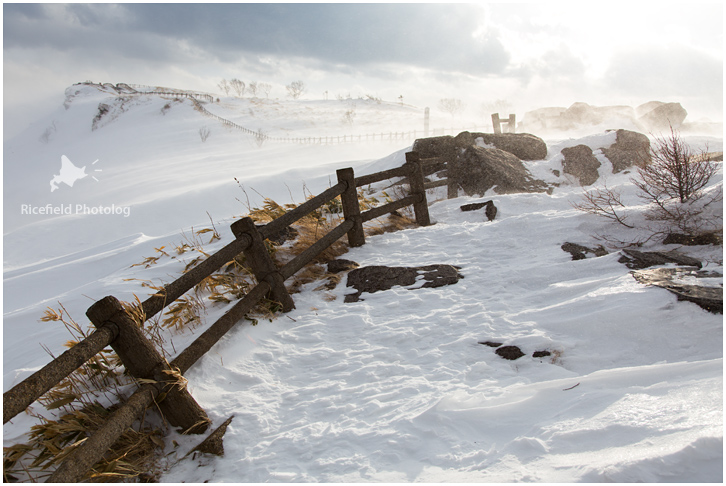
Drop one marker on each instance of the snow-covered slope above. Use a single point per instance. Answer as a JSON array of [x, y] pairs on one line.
[[394, 388]]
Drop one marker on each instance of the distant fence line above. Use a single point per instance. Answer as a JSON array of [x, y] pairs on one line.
[[261, 137], [406, 136]]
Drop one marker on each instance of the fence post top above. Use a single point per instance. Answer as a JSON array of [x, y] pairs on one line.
[[104, 309]]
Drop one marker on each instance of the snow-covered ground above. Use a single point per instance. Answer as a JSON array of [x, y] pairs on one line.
[[395, 388]]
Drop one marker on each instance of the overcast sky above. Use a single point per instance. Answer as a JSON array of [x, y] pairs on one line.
[[531, 55]]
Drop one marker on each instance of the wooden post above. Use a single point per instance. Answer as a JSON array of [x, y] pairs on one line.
[[143, 361], [426, 122], [261, 264], [512, 123], [416, 184], [351, 208], [496, 123]]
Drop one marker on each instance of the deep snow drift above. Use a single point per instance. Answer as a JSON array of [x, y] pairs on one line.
[[394, 388]]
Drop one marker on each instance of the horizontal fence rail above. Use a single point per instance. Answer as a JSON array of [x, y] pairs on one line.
[[115, 326]]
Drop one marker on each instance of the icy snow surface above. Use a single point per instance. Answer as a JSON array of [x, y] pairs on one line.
[[395, 388]]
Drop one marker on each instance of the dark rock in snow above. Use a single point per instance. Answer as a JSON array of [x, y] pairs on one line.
[[474, 206], [580, 162], [341, 265], [630, 149], [711, 238], [490, 211], [579, 252], [491, 344], [509, 352], [643, 259], [376, 278], [524, 146], [479, 169], [499, 164], [541, 354], [707, 297]]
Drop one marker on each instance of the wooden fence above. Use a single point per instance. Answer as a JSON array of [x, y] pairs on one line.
[[115, 327], [510, 124]]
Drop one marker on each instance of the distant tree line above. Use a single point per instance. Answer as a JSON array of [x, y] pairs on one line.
[[253, 88]]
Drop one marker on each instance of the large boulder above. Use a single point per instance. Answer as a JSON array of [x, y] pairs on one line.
[[580, 114], [524, 145], [435, 147], [444, 147], [641, 110], [630, 149], [664, 117], [478, 169], [480, 161], [580, 162]]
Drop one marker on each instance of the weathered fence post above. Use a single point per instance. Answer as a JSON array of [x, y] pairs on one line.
[[261, 264], [351, 208], [496, 123], [512, 123], [416, 184], [143, 361]]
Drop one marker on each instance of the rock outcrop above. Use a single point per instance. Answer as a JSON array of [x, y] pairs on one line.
[[652, 116], [643, 259], [480, 161], [630, 149], [479, 169], [707, 297], [663, 116], [580, 163], [524, 146]]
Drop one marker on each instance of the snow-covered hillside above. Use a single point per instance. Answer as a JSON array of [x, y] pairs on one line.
[[395, 388]]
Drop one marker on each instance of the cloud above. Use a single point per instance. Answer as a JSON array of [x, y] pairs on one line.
[[665, 71], [359, 35], [547, 53]]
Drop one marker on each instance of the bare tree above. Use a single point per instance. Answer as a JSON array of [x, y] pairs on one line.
[[349, 116], [265, 88], [451, 105], [238, 86], [671, 181], [675, 172], [204, 133], [252, 88], [295, 89], [224, 86], [603, 202]]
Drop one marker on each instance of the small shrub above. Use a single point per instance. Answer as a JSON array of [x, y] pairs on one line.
[[204, 133], [673, 185]]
